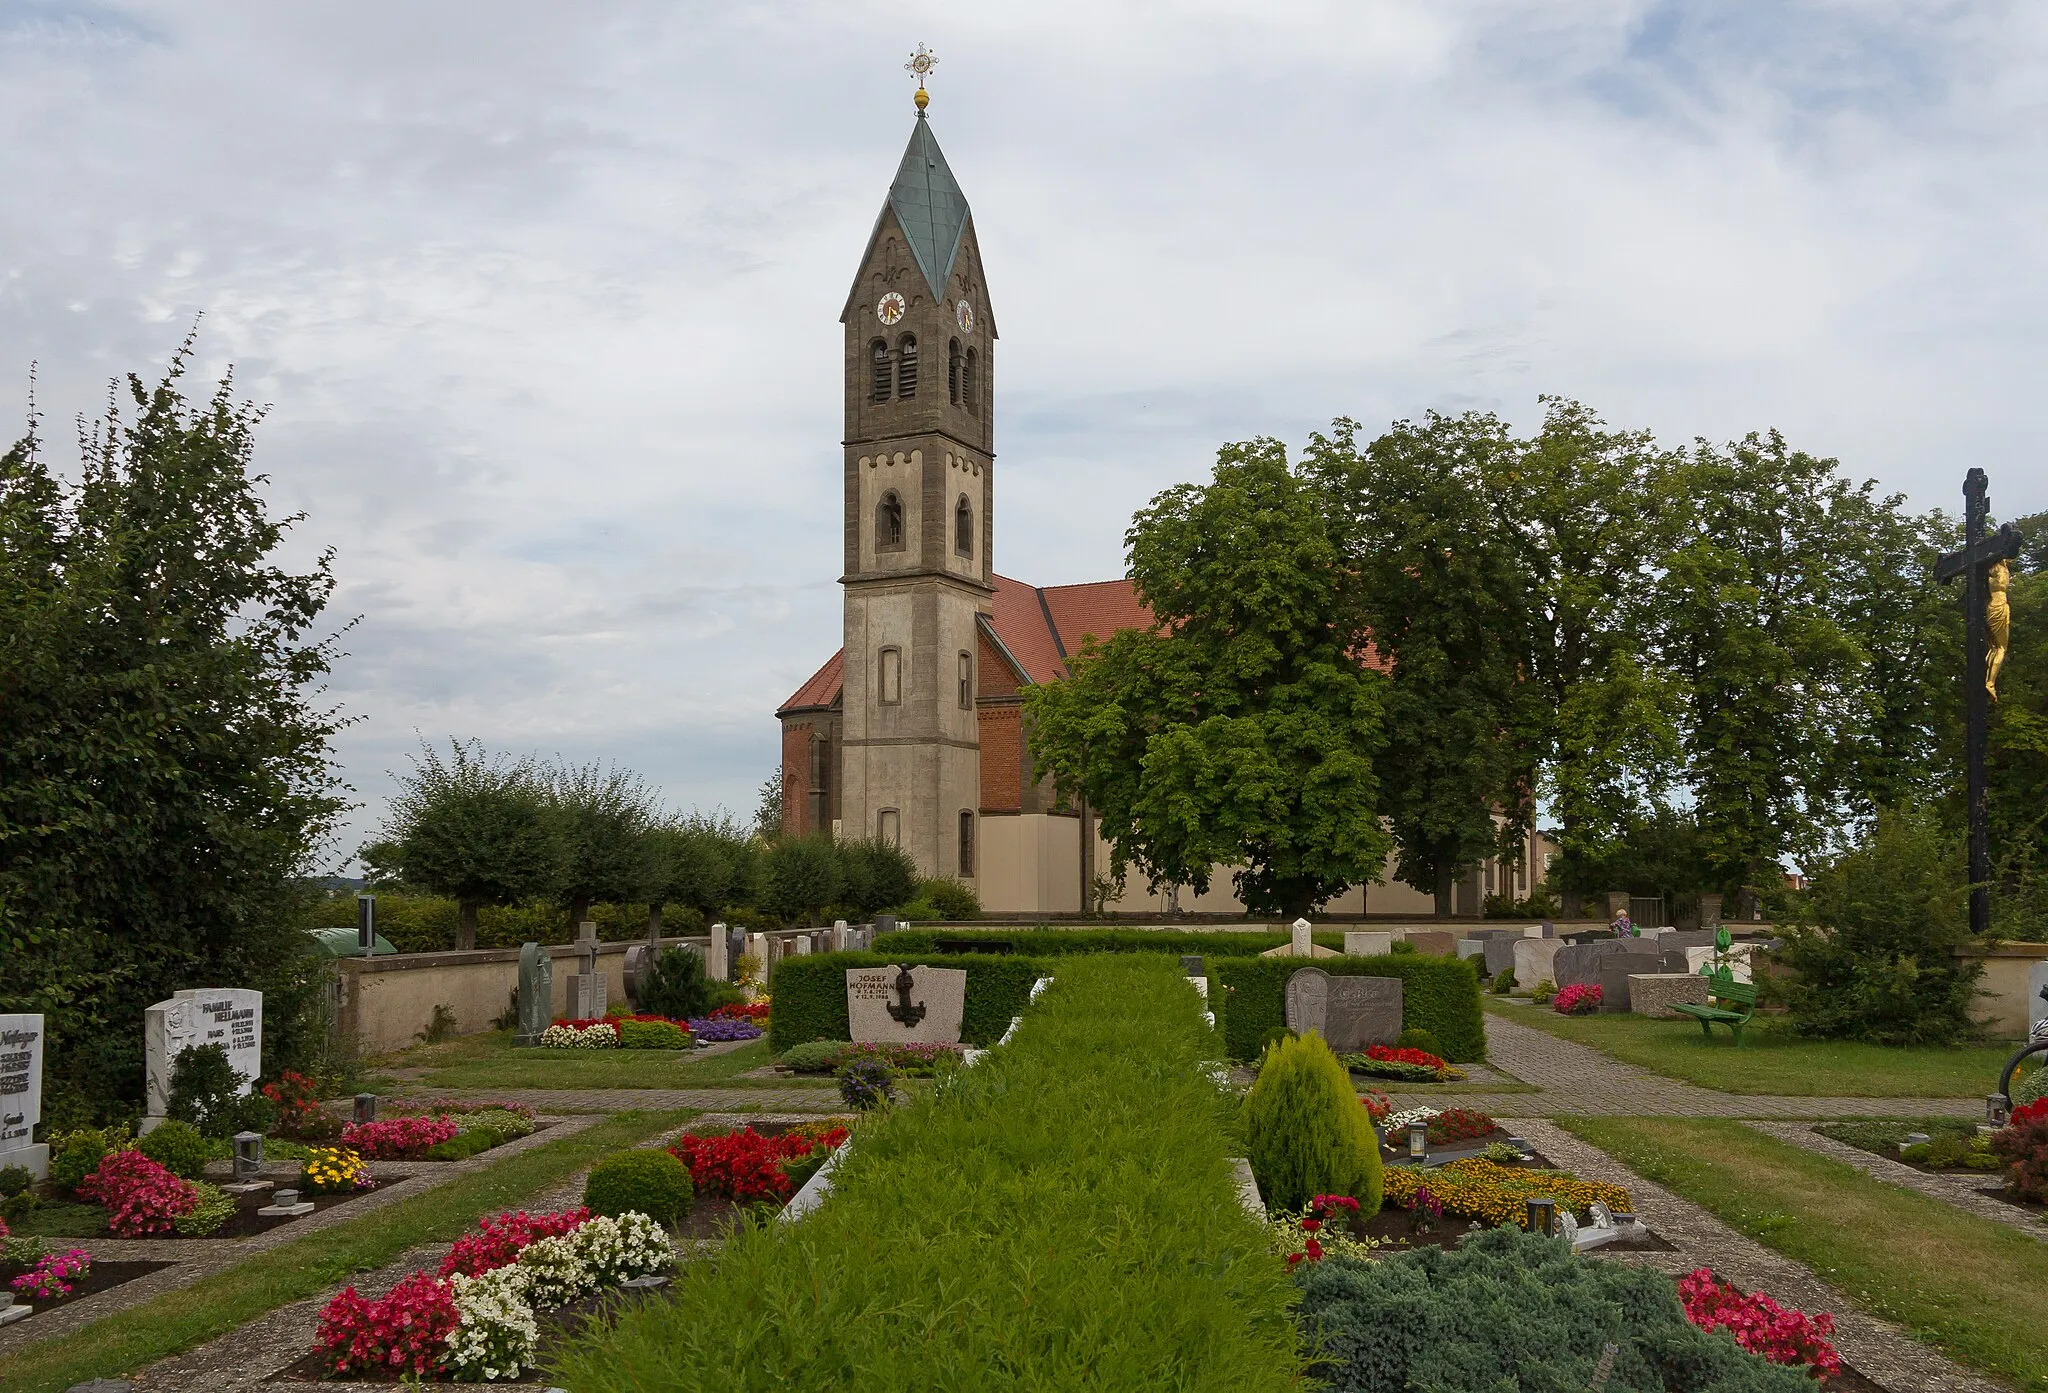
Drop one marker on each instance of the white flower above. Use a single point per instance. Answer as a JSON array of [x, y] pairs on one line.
[[1398, 1121], [496, 1335], [556, 1273], [618, 1250]]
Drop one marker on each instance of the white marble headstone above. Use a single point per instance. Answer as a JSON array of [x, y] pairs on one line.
[[231, 1017], [1303, 946], [21, 1094]]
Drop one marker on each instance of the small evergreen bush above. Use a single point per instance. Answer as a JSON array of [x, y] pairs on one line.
[[1417, 1038], [206, 1092], [950, 898], [215, 1208], [505, 1124], [14, 1180], [815, 1056], [462, 1145], [74, 1155], [644, 1179], [676, 987], [1304, 1131], [178, 1148], [651, 1035], [1542, 992], [1503, 982]]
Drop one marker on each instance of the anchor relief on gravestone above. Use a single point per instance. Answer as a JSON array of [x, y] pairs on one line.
[[906, 1005]]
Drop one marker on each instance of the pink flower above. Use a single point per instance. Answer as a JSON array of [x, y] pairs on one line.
[[140, 1196]]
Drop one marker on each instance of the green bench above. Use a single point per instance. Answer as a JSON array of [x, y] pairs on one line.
[[1724, 993]]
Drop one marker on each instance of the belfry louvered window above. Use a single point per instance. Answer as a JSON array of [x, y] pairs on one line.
[[968, 393], [954, 363], [906, 366], [966, 843], [885, 377]]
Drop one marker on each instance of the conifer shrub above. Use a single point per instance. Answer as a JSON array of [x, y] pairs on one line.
[[178, 1148], [676, 987], [1305, 1133], [1417, 1038], [644, 1179]]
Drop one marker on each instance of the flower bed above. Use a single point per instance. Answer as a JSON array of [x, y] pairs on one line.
[[43, 1276], [397, 1138], [580, 1035], [827, 1056], [53, 1275], [747, 1167], [755, 1011], [1476, 1188], [714, 1029], [334, 1170], [1759, 1324], [1404, 1065], [477, 1320], [1579, 999], [141, 1197]]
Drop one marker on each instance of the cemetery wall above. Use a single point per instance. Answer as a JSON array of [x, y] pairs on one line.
[[810, 995], [386, 1002], [1440, 995], [2008, 969]]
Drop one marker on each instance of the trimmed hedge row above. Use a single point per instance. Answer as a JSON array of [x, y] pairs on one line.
[[1059, 1216], [1048, 943], [1440, 995], [810, 994]]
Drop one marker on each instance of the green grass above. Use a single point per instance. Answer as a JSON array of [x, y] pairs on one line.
[[1881, 1136], [1974, 1289], [179, 1320], [1773, 1060], [1062, 1217], [491, 1060]]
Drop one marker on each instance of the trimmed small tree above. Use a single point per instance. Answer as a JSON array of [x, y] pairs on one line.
[[603, 817], [473, 827], [875, 875], [1305, 1131], [800, 876]]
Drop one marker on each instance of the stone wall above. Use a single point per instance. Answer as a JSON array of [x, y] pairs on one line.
[[2004, 1006]]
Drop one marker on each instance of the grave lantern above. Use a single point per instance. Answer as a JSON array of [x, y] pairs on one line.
[[1543, 1217], [248, 1155], [1418, 1139], [366, 1108], [1997, 1109]]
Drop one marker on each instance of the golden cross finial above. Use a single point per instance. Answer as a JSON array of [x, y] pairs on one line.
[[921, 63]]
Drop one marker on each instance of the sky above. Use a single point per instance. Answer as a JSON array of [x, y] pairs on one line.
[[544, 299]]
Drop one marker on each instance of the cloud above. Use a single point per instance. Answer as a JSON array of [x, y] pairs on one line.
[[544, 298]]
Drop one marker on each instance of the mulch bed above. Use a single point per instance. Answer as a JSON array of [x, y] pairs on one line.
[[245, 1222], [103, 1276]]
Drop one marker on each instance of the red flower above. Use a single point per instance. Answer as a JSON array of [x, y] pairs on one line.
[[140, 1196], [497, 1242], [1759, 1324], [406, 1330], [744, 1165]]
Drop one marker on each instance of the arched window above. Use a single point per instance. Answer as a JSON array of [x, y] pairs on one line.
[[906, 366], [889, 826], [968, 379], [884, 374], [963, 528], [966, 843], [953, 366], [889, 677], [966, 681], [889, 523]]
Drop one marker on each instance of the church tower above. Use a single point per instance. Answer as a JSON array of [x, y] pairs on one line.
[[920, 492]]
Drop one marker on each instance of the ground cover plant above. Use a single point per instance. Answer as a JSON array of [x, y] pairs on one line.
[[1505, 1309], [1775, 1060], [179, 1320], [826, 1056], [1476, 1188], [1974, 1289], [490, 1060], [1440, 995], [1063, 1211]]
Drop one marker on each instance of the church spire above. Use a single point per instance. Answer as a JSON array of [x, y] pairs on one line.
[[925, 197]]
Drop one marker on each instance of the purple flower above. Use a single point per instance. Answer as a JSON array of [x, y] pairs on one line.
[[711, 1029]]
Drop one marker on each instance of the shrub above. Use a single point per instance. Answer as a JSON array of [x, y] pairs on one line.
[[299, 1114], [215, 1207], [1407, 1321], [1759, 1324], [1578, 999], [810, 995], [1440, 995], [462, 1145], [1542, 992], [406, 1331], [1304, 1131], [644, 1179], [652, 1035], [675, 987], [178, 1148], [140, 1196], [1475, 1188], [874, 875], [14, 1180], [815, 1056], [1971, 1152], [397, 1138], [950, 898], [206, 1090], [1503, 982], [1275, 1036], [1419, 1038], [918, 945], [502, 1122], [800, 877], [2023, 1146], [499, 1240], [864, 1083], [79, 1158]]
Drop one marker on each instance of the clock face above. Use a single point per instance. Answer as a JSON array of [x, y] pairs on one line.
[[889, 308], [964, 312]]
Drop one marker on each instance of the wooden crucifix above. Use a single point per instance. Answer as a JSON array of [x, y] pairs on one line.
[[1974, 564]]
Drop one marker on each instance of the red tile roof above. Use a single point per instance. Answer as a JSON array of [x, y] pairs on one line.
[[1039, 627]]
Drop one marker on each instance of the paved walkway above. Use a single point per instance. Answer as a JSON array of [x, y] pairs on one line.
[[1577, 1080]]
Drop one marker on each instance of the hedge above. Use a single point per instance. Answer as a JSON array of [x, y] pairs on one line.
[[810, 994], [1060, 1216], [1048, 943], [1440, 995]]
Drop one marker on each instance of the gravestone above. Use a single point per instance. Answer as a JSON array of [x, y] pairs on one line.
[[21, 1094], [1535, 960], [717, 955], [757, 948], [1190, 966], [1302, 945], [536, 992], [1578, 964], [1435, 942], [1500, 955], [1349, 1012], [803, 945], [906, 1005], [639, 962], [1615, 970], [838, 935], [231, 1017], [1368, 943], [1710, 911], [587, 988], [1471, 948], [1654, 994]]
